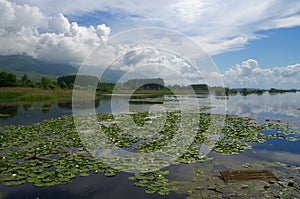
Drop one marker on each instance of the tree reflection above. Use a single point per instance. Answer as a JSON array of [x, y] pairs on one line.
[[26, 107], [68, 105], [65, 105], [8, 111], [46, 108]]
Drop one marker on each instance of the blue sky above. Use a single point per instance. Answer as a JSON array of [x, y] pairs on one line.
[[280, 47], [276, 47], [253, 43]]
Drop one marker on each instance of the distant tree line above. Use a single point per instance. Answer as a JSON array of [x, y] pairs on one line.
[[63, 82], [249, 91], [146, 84], [10, 80], [156, 84]]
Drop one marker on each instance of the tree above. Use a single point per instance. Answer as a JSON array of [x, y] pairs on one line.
[[8, 79], [25, 78], [66, 81], [83, 80], [25, 81], [200, 87], [152, 84], [46, 83]]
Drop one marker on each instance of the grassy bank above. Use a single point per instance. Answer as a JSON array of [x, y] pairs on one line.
[[33, 95]]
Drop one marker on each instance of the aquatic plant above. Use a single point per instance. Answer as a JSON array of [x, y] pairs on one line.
[[51, 152]]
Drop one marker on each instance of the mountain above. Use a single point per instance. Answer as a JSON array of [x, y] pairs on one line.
[[112, 76], [36, 69]]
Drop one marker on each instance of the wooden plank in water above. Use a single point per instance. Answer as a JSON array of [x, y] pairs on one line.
[[245, 175]]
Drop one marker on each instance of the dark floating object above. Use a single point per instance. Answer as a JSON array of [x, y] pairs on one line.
[[245, 175], [215, 190], [35, 157]]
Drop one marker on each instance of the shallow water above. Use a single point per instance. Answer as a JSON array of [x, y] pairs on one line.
[[279, 107], [93, 187]]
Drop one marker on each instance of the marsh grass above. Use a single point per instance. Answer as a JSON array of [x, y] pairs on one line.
[[24, 97], [9, 95]]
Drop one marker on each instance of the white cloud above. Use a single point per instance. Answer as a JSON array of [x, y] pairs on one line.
[[59, 23], [41, 28], [14, 17], [190, 10], [219, 26], [254, 106], [250, 74], [61, 41], [71, 43]]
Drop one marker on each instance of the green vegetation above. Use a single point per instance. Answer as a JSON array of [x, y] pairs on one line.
[[7, 79], [24, 97], [154, 182], [104, 88], [249, 91], [246, 91], [144, 86], [18, 94], [68, 81], [46, 83], [200, 88], [274, 90], [26, 90], [52, 152]]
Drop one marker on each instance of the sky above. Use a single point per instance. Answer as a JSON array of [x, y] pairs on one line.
[[252, 43]]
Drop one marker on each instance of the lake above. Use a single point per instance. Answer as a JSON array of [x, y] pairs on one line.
[[282, 108]]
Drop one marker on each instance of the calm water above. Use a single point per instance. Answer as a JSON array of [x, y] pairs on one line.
[[283, 107], [280, 106]]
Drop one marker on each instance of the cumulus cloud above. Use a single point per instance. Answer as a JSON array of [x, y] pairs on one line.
[[217, 25], [70, 43], [41, 29], [61, 41], [14, 17], [59, 23], [250, 74]]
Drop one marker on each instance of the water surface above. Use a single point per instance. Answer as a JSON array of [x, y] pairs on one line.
[[279, 107]]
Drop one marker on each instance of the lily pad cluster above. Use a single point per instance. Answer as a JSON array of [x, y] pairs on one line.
[[45, 154], [154, 182], [239, 132], [52, 152]]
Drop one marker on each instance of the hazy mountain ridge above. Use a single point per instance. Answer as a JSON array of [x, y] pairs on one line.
[[21, 64], [35, 69]]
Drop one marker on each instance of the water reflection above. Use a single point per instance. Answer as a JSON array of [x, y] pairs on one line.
[[28, 114], [147, 99], [279, 106], [282, 106], [65, 105], [92, 187], [46, 108], [26, 107], [8, 111]]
